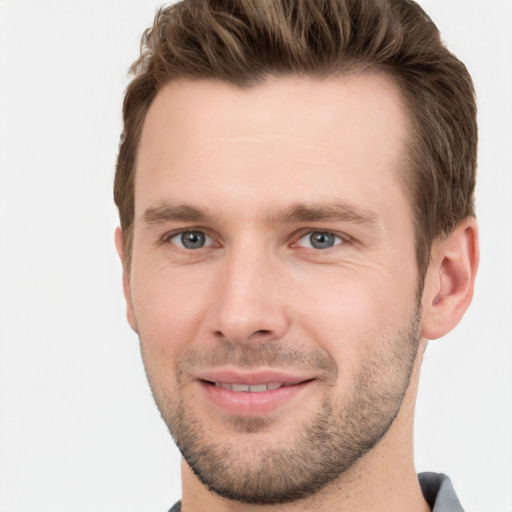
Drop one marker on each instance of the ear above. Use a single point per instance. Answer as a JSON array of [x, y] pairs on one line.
[[130, 315], [450, 280]]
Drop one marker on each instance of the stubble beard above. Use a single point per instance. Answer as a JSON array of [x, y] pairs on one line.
[[327, 444]]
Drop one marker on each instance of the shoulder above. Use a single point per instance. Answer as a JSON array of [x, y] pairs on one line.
[[438, 491]]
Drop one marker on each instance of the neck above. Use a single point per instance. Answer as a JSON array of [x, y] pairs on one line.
[[383, 480]]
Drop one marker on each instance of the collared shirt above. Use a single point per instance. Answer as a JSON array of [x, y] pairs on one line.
[[437, 490]]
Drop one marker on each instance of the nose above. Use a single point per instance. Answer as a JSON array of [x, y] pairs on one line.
[[248, 305]]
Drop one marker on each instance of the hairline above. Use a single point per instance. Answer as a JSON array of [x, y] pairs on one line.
[[348, 68]]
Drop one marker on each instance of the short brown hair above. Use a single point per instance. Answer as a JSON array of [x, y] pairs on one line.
[[243, 42]]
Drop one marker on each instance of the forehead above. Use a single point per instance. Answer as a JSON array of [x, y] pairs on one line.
[[290, 139]]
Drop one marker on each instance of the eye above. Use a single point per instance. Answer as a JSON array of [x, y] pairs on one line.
[[320, 240], [191, 240]]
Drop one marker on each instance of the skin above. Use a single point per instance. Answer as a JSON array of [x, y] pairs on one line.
[[258, 297]]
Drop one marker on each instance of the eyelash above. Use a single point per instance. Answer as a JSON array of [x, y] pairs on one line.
[[169, 236], [340, 239]]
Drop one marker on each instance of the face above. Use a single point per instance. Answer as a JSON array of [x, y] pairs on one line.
[[273, 281]]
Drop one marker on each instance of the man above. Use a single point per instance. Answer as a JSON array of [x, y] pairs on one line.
[[295, 185]]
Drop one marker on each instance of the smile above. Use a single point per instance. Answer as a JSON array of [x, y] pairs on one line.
[[254, 394], [250, 388]]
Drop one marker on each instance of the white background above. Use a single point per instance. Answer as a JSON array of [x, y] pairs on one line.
[[78, 428]]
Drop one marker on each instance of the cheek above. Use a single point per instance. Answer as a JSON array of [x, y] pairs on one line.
[[352, 313], [168, 309]]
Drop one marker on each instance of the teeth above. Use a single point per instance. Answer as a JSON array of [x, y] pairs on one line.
[[253, 388], [240, 387], [258, 387]]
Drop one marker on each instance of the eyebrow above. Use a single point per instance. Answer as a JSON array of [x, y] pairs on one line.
[[300, 212], [338, 211], [165, 212]]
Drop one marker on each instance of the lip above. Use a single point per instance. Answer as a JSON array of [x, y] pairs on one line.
[[248, 403]]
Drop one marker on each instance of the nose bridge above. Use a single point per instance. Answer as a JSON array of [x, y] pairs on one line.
[[248, 306]]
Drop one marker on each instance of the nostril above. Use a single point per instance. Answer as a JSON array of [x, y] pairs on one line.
[[261, 332]]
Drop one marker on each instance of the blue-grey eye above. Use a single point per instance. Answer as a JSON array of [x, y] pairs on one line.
[[191, 239], [320, 240]]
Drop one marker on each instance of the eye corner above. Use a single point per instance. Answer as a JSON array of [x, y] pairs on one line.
[[189, 239], [320, 239]]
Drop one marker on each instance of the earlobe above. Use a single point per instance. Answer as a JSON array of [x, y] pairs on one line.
[[130, 315], [450, 280]]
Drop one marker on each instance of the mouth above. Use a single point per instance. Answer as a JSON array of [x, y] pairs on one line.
[[253, 394], [251, 388]]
